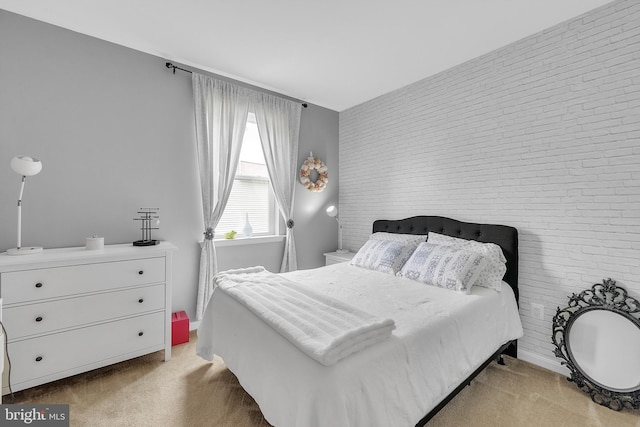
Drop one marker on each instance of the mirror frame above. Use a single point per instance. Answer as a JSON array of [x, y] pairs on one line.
[[606, 296]]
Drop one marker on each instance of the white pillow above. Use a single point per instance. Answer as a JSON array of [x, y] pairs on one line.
[[490, 250], [414, 239], [383, 255], [492, 276], [445, 267]]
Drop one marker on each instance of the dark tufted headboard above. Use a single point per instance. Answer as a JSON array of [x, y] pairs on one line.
[[504, 236]]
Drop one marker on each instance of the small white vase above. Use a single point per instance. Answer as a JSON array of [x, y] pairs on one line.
[[247, 230]]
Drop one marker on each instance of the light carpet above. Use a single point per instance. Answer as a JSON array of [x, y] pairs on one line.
[[191, 392]]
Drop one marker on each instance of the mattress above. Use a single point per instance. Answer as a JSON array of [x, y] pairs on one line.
[[441, 337]]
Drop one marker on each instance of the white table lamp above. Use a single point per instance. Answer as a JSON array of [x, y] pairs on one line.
[[25, 166], [332, 211]]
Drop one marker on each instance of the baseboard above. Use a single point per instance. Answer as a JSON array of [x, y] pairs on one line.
[[543, 362], [194, 325]]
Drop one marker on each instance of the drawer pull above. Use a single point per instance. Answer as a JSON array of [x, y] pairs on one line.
[[141, 300], [38, 285], [140, 334], [39, 359], [141, 272], [39, 319]]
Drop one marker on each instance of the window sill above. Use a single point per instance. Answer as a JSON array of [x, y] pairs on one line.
[[256, 240]]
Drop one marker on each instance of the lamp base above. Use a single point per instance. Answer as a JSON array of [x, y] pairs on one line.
[[343, 251], [146, 242], [25, 251]]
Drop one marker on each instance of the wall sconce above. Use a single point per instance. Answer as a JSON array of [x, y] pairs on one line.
[[25, 166], [332, 211]]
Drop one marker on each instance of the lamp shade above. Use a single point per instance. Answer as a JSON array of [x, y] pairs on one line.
[[26, 166], [332, 211]]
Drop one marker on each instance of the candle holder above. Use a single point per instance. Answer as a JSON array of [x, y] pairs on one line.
[[150, 220]]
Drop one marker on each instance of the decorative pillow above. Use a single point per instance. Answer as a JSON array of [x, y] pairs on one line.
[[445, 267], [414, 239], [383, 255], [490, 250], [492, 276]]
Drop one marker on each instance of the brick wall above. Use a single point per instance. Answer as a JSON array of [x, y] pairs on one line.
[[542, 134]]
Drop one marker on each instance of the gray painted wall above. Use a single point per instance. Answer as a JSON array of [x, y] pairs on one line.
[[114, 129]]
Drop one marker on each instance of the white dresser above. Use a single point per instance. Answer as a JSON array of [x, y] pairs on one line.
[[71, 310], [1, 346]]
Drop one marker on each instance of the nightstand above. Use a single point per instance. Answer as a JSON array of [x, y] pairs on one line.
[[336, 257]]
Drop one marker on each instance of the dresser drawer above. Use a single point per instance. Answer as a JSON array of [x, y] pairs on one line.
[[38, 284], [56, 353], [39, 318]]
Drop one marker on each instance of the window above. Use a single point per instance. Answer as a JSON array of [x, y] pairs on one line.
[[251, 193]]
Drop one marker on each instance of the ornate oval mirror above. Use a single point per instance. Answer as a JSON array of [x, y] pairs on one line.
[[598, 337]]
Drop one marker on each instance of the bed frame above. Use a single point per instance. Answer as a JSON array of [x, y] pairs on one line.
[[504, 236]]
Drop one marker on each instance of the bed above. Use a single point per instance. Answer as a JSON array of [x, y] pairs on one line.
[[401, 381]]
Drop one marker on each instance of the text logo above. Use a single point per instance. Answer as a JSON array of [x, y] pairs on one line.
[[34, 415]]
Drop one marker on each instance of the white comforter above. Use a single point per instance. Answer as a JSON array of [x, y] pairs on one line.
[[441, 337], [324, 328]]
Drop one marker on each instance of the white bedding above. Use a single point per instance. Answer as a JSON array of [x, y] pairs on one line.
[[441, 337], [324, 328]]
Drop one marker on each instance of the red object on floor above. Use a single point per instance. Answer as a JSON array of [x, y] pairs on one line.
[[179, 328]]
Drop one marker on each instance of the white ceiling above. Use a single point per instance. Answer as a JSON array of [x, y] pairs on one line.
[[332, 53]]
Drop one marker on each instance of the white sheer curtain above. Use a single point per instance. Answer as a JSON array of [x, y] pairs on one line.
[[279, 127], [221, 112]]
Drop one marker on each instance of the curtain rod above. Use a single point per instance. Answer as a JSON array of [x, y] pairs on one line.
[[175, 67]]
